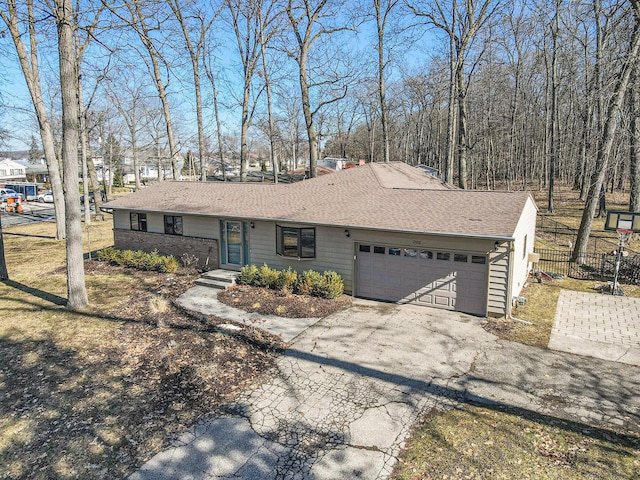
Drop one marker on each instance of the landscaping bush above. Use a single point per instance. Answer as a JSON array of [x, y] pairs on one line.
[[328, 285], [331, 285], [308, 283], [288, 280], [248, 275], [269, 277], [139, 259]]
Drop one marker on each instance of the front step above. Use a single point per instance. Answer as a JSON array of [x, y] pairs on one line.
[[218, 279]]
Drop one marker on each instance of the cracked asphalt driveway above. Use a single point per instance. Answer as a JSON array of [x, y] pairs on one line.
[[343, 398]]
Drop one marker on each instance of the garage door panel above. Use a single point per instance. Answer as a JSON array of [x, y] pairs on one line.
[[416, 278]]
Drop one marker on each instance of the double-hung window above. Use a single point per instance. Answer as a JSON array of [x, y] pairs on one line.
[[296, 242], [172, 225], [138, 221]]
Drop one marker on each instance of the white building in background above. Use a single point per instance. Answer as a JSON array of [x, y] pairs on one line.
[[333, 163], [12, 171]]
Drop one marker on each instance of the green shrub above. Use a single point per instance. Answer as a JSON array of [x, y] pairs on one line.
[[269, 277], [108, 255], [138, 259], [170, 264], [331, 286], [287, 281], [248, 275], [308, 282], [328, 285]]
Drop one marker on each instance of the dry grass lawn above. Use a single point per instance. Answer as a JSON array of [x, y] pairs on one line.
[[482, 443], [93, 394]]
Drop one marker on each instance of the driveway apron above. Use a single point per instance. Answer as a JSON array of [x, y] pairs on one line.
[[342, 399]]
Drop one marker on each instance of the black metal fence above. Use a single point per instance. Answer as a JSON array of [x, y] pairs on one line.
[[595, 266], [564, 235]]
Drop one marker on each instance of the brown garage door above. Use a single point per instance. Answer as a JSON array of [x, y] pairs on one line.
[[438, 278]]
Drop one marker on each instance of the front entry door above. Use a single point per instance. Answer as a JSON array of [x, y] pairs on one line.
[[234, 244]]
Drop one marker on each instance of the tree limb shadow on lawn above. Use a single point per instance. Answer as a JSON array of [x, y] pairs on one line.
[[46, 296], [48, 237]]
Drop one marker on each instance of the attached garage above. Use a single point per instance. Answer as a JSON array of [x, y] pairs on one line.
[[432, 277]]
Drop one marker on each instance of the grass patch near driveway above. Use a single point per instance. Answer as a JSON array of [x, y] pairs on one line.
[[94, 394], [480, 443], [540, 310]]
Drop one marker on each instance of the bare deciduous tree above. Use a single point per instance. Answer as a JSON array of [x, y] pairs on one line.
[[146, 27], [312, 21], [20, 24], [631, 58]]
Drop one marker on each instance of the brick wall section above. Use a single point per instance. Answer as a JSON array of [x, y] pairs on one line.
[[175, 245]]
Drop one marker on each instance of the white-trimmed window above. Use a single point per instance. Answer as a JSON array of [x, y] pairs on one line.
[[296, 242]]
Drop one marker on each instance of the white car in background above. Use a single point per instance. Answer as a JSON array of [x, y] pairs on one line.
[[9, 193], [45, 197]]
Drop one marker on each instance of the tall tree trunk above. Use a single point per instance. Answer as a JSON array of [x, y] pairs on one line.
[[244, 131], [553, 157], [212, 80], [139, 24], [312, 135], [462, 129], [451, 115], [634, 143], [134, 154], [76, 290], [272, 129], [194, 55], [604, 147], [381, 22], [4, 273]]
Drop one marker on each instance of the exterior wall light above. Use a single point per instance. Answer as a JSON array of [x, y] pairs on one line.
[[496, 247], [252, 225], [347, 233]]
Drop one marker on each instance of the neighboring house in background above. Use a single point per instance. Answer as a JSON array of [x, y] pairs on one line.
[[12, 171], [37, 172], [391, 231]]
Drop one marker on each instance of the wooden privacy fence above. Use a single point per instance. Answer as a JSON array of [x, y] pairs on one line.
[[596, 266]]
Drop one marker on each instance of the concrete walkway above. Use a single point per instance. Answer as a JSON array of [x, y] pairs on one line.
[[342, 399], [597, 325], [204, 300]]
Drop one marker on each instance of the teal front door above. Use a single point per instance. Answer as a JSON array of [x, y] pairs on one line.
[[234, 248]]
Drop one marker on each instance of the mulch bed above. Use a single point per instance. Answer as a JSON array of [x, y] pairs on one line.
[[101, 412], [271, 302]]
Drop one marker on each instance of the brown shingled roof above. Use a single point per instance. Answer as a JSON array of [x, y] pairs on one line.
[[392, 196]]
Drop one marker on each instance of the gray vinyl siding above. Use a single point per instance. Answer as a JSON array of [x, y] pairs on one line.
[[155, 222], [201, 227], [521, 266], [121, 220], [499, 281], [192, 225], [334, 251]]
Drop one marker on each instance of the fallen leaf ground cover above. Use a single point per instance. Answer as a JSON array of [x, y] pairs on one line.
[[271, 302], [93, 394]]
